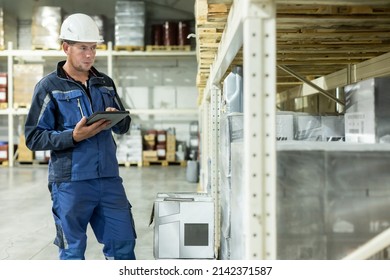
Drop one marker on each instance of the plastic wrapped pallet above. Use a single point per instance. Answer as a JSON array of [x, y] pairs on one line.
[[8, 29], [335, 190], [45, 29], [332, 197], [130, 23], [232, 130], [308, 127], [100, 22], [2, 41], [24, 34], [284, 127], [367, 115]]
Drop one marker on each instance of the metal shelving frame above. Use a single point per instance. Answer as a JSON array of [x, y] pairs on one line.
[[251, 25]]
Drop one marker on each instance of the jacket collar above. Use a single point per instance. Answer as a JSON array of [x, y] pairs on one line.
[[62, 74]]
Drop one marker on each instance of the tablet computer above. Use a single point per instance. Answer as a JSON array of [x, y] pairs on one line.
[[113, 116]]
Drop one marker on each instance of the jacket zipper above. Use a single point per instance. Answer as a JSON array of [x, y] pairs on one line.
[[78, 99], [79, 105]]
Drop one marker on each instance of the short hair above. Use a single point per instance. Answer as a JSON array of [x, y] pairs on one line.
[[69, 42]]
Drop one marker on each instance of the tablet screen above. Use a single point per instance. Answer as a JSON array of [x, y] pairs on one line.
[[113, 116]]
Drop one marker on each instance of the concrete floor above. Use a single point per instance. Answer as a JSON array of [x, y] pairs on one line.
[[26, 224]]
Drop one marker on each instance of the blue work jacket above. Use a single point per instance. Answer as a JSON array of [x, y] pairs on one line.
[[58, 104]]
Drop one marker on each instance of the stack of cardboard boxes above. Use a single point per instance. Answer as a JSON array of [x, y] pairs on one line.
[[130, 146], [171, 146], [25, 77], [8, 29], [159, 145], [45, 29], [150, 152]]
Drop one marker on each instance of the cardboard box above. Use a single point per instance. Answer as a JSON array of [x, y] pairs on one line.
[[26, 76], [170, 156], [171, 143], [149, 155], [24, 153]]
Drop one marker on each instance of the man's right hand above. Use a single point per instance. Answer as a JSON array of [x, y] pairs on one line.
[[83, 131]]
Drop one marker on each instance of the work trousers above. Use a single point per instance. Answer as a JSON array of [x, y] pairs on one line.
[[104, 205]]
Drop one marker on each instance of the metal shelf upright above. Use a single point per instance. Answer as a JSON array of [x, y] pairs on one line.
[[251, 24]]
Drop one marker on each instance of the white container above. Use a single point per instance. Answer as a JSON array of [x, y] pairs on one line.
[[183, 226], [233, 91]]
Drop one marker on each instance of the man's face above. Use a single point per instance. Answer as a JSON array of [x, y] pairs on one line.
[[81, 55]]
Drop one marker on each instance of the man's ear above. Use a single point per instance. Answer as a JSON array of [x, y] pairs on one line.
[[65, 47]]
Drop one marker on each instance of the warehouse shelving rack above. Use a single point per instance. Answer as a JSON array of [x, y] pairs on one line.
[[251, 25], [109, 55]]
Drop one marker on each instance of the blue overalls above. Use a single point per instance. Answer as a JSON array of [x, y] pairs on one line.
[[83, 177]]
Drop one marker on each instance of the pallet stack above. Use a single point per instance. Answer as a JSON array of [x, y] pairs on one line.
[[45, 29], [210, 22], [8, 29], [129, 25]]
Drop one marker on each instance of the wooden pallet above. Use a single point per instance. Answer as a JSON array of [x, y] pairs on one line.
[[151, 48], [102, 47], [4, 163], [129, 48], [44, 48], [131, 163], [33, 162], [22, 105], [165, 163], [3, 105]]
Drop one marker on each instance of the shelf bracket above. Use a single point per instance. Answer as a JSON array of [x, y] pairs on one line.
[[313, 85]]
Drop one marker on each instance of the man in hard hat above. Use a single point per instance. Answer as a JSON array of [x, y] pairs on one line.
[[83, 170]]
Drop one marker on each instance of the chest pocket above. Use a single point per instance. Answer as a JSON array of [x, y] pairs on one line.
[[108, 95], [71, 107]]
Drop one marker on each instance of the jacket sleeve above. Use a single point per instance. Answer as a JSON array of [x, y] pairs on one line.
[[42, 130], [123, 126]]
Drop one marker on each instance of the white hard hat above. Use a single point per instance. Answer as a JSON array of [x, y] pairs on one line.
[[80, 28]]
